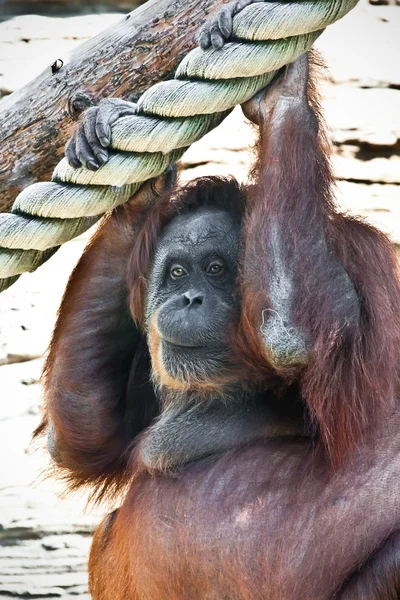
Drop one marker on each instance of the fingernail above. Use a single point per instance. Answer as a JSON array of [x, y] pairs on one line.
[[75, 164], [92, 166], [102, 157], [204, 41], [217, 44], [105, 141]]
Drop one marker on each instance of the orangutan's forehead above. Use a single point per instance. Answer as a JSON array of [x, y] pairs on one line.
[[200, 227]]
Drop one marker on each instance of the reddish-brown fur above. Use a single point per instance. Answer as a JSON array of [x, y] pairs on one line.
[[344, 386], [256, 525], [270, 521]]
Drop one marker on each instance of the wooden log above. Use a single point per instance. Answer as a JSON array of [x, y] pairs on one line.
[[123, 61]]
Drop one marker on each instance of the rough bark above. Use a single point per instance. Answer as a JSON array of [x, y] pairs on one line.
[[124, 60]]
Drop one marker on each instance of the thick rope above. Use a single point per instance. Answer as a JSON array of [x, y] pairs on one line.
[[171, 116]]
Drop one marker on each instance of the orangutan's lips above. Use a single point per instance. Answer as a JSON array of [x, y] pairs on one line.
[[178, 347]]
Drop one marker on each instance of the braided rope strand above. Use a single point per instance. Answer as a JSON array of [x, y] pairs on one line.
[[171, 116]]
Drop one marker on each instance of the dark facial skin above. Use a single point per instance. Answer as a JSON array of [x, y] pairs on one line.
[[193, 304], [193, 289]]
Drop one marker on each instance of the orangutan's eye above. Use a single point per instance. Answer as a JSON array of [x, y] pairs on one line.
[[176, 272], [215, 268]]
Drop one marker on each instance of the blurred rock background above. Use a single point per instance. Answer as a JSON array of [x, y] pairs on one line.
[[44, 539]]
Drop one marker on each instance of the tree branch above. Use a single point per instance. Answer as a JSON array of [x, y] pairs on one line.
[[123, 61]]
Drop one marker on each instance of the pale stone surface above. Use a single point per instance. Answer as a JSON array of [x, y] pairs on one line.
[[363, 48], [365, 116], [44, 540]]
